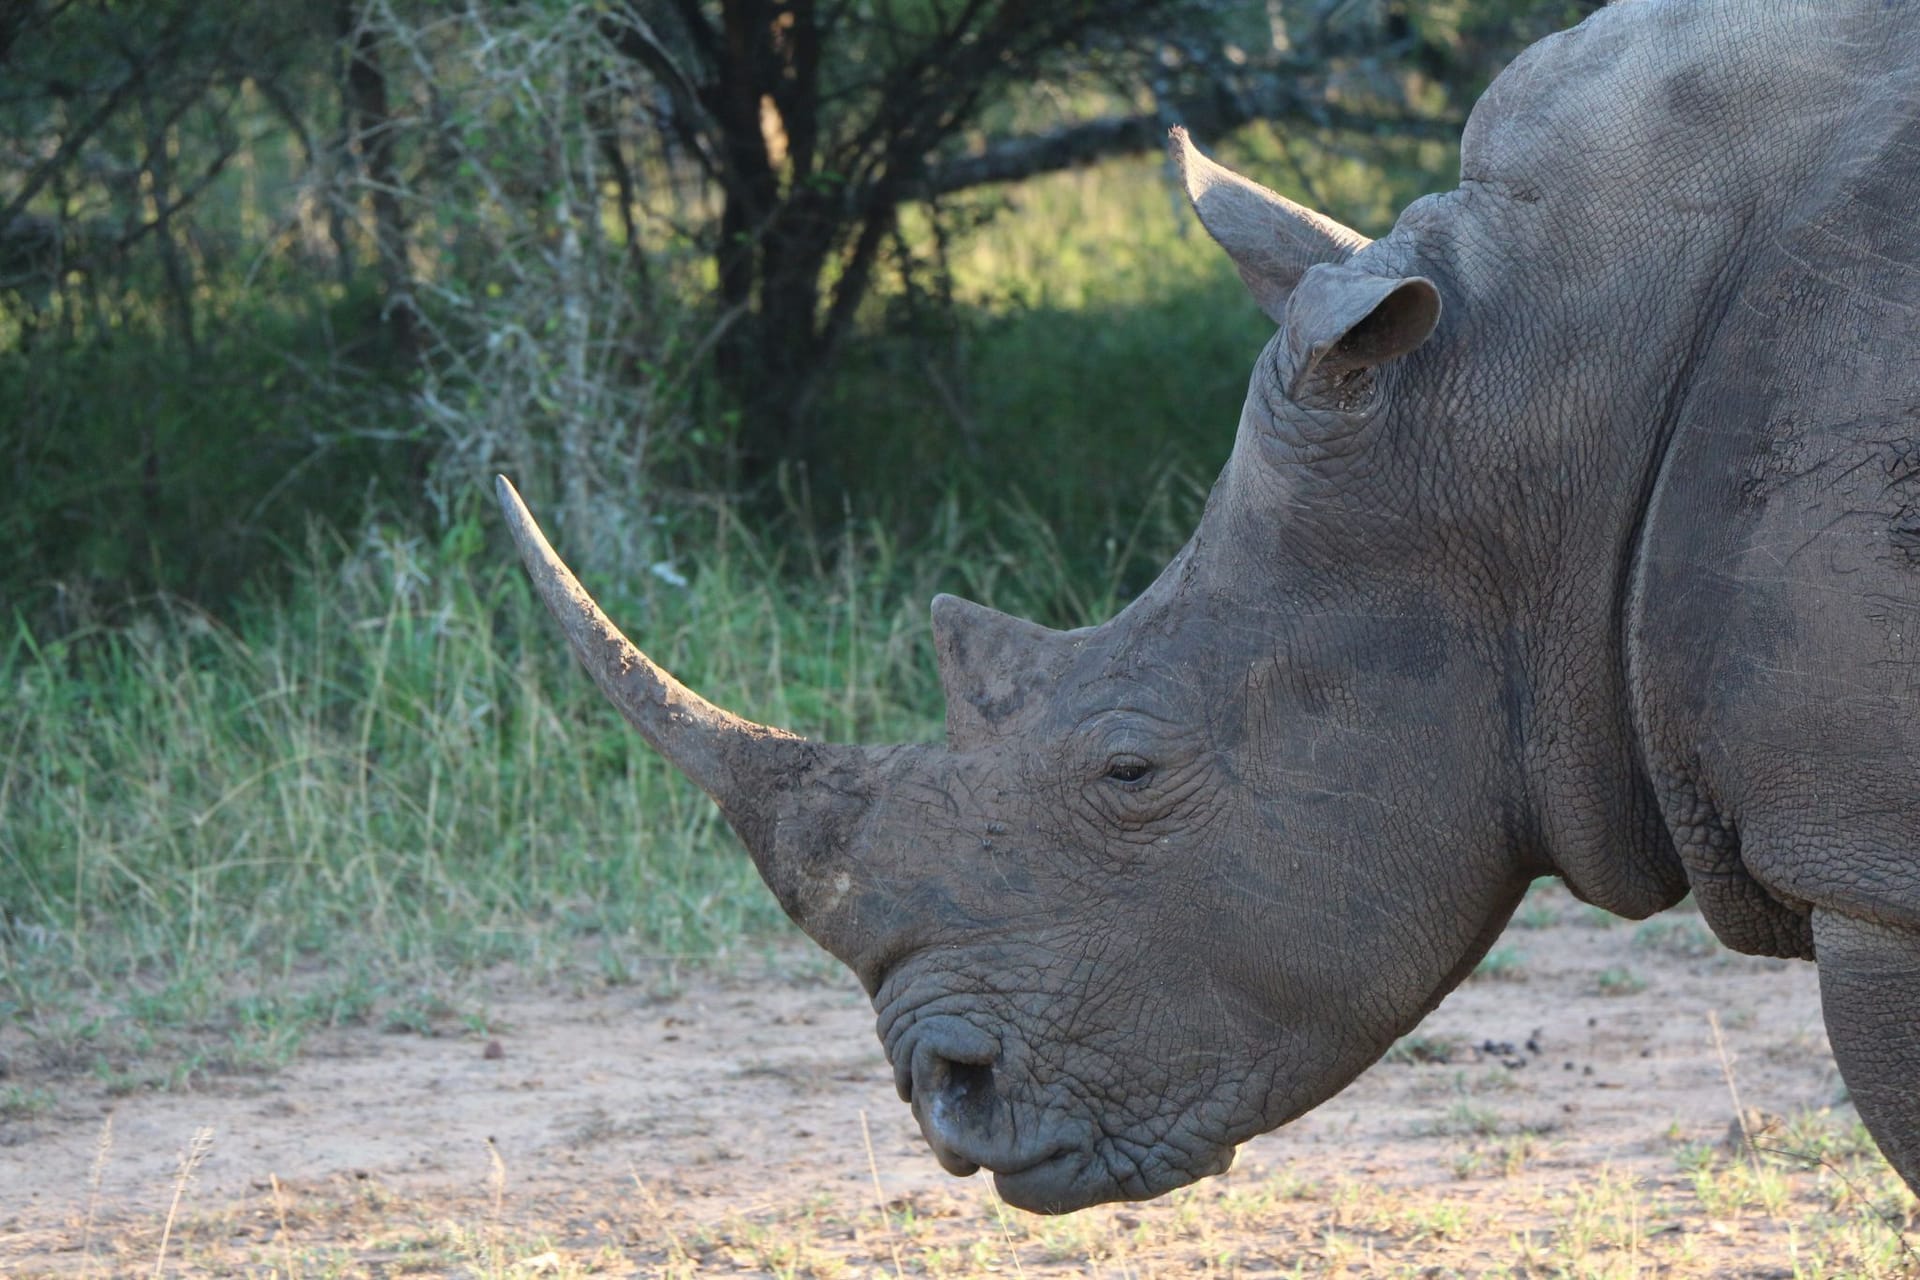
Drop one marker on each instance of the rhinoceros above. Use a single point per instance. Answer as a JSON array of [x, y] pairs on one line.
[[1571, 529]]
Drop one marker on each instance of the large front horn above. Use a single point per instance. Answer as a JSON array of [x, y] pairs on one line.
[[792, 801], [705, 742]]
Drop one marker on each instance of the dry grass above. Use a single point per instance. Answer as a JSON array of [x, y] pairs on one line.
[[1831, 1210]]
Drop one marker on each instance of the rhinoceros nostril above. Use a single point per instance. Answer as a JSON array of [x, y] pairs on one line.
[[957, 1110], [951, 1085], [964, 1104]]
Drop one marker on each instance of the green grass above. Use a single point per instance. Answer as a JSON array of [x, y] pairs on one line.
[[394, 774], [1546, 900]]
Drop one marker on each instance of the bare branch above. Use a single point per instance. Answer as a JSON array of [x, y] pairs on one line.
[[183, 198], [635, 38], [706, 40], [76, 139], [1010, 159]]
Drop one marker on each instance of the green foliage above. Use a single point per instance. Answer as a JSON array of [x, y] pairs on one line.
[[139, 468], [199, 374], [398, 759]]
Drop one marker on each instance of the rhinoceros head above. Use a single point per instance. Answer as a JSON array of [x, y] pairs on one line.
[[1174, 879]]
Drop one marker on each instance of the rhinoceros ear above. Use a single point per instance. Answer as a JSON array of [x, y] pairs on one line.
[[1341, 320], [992, 665], [1271, 240]]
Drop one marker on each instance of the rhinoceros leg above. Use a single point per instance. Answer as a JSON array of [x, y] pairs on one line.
[[1870, 993]]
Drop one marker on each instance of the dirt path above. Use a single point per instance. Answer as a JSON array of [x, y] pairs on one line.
[[1585, 1067]]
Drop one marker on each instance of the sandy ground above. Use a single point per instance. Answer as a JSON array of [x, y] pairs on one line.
[[633, 1130]]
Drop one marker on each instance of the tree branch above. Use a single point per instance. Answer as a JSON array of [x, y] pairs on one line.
[[705, 39], [1011, 159], [633, 38], [76, 139], [180, 199]]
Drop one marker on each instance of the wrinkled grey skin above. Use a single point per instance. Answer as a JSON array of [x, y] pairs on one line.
[[1573, 529]]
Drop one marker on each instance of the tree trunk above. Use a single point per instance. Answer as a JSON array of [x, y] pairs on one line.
[[173, 265], [766, 269], [371, 126]]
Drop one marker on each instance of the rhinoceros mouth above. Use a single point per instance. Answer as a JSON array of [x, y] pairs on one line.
[[1060, 1184], [1078, 1179], [1048, 1154], [963, 1151]]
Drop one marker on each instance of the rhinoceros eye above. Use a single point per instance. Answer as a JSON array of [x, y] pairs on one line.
[[1129, 769]]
